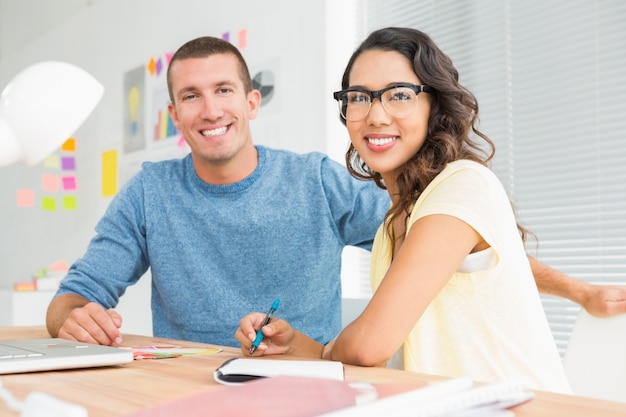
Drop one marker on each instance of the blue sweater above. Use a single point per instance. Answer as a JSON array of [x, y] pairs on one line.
[[218, 252]]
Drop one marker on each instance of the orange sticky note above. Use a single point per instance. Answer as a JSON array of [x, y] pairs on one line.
[[69, 145]]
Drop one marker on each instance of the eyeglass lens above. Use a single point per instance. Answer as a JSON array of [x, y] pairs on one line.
[[398, 102]]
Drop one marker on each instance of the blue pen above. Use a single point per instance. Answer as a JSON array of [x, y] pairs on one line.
[[268, 318]]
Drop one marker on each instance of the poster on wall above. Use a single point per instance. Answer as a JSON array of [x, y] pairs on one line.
[[162, 131], [134, 92]]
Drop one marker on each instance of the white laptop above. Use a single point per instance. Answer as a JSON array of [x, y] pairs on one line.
[[33, 355]]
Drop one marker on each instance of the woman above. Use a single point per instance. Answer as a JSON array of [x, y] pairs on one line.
[[453, 290]]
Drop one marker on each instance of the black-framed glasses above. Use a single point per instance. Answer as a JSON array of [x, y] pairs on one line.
[[399, 100]]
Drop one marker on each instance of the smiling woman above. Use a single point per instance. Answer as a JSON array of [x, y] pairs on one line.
[[556, 119], [454, 294]]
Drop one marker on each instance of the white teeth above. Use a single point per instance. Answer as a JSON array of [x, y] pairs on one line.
[[214, 132], [380, 142]]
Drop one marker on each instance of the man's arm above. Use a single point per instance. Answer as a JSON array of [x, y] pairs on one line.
[[71, 316], [598, 300]]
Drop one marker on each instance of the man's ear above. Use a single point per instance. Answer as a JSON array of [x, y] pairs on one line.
[[171, 108], [254, 102]]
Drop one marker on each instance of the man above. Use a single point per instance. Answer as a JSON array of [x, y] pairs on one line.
[[225, 230]]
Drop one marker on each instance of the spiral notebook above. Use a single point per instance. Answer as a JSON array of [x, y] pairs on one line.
[[237, 371]]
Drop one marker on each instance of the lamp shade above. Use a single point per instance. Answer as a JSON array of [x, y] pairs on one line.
[[42, 107]]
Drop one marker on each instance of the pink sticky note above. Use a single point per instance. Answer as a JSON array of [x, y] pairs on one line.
[[243, 38], [49, 183], [25, 198], [69, 183], [59, 265]]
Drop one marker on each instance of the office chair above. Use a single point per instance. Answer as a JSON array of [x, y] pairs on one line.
[[595, 359]]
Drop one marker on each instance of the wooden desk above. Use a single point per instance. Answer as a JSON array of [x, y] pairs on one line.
[[118, 390]]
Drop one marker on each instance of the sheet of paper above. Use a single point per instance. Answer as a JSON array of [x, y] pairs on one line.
[[169, 351]]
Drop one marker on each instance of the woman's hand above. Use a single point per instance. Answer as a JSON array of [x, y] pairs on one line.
[[277, 335], [278, 338]]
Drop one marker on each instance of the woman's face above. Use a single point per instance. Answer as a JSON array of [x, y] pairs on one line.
[[383, 141]]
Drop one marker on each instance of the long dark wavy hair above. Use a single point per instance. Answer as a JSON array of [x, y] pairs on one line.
[[452, 133]]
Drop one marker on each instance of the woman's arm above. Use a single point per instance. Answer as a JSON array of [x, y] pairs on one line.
[[432, 251]]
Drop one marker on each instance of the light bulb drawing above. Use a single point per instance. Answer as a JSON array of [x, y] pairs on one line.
[[134, 101]]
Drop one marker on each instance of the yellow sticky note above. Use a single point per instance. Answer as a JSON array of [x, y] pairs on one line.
[[49, 203], [109, 173], [69, 202], [52, 161]]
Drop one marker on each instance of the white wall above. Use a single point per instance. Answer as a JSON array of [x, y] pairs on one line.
[[109, 38]]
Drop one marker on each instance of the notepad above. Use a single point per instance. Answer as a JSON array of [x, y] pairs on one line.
[[457, 397], [237, 371]]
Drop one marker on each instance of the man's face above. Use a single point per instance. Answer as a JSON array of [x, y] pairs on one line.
[[212, 110]]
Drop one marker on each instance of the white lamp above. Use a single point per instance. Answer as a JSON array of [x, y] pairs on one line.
[[42, 107]]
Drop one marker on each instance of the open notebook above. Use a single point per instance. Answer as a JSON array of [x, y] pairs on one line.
[[32, 355]]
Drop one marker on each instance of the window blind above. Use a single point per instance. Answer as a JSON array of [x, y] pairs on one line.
[[551, 87]]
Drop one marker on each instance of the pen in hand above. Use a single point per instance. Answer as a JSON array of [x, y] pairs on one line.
[[268, 318]]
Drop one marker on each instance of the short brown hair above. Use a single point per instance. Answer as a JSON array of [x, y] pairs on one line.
[[204, 47]]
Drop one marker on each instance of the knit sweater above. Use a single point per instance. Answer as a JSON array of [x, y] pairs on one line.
[[218, 252]]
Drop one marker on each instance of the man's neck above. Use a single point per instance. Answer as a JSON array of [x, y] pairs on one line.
[[230, 171]]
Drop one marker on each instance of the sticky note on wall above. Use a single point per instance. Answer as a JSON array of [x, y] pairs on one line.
[[109, 173]]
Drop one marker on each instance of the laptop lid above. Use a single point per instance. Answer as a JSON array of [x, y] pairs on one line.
[[34, 355]]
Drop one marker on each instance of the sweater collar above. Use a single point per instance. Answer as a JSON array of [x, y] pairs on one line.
[[236, 186]]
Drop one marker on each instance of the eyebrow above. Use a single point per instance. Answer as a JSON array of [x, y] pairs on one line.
[[388, 85], [192, 88]]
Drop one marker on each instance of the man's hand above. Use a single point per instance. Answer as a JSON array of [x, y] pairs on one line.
[[604, 301], [72, 317], [598, 300]]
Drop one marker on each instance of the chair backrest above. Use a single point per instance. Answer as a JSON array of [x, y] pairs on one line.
[[351, 308], [595, 359]]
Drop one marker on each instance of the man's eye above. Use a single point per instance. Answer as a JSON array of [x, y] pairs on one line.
[[225, 90], [189, 97]]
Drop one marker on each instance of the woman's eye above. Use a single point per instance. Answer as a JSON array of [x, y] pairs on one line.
[[400, 97], [358, 98]]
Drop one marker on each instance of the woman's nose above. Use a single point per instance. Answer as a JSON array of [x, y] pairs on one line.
[[377, 114]]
